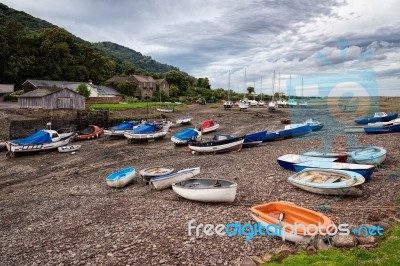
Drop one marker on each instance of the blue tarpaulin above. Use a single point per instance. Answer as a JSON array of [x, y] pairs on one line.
[[125, 125], [186, 134], [39, 137], [145, 129]]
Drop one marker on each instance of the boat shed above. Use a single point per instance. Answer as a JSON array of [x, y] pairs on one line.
[[51, 98]]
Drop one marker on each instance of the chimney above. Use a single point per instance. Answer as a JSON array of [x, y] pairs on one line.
[[90, 82]]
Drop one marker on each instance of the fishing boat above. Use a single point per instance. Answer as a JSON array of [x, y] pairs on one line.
[[69, 148], [39, 141], [208, 126], [378, 117], [365, 170], [340, 156], [119, 130], [184, 120], [288, 133], [254, 139], [149, 173], [328, 181], [90, 132], [280, 219], [121, 178], [166, 181], [206, 190], [186, 135], [217, 146], [370, 155], [288, 161], [147, 132]]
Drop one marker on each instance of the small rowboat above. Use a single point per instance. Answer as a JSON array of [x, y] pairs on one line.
[[166, 110], [370, 155], [121, 178], [274, 214], [184, 120], [217, 146], [288, 161], [206, 190], [365, 170], [340, 156], [69, 148], [89, 133], [166, 181], [328, 182], [208, 126], [149, 173]]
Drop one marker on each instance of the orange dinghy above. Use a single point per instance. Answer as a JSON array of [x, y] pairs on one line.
[[90, 132], [291, 222]]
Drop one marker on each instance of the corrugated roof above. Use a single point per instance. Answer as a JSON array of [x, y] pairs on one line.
[[39, 92], [51, 83], [104, 90]]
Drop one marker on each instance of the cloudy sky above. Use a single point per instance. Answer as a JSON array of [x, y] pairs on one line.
[[322, 41]]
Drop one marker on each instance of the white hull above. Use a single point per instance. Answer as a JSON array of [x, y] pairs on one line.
[[243, 106], [134, 136], [170, 179], [118, 183], [165, 110], [223, 194], [284, 235], [184, 121], [69, 148], [115, 133], [237, 145], [177, 141], [376, 161], [209, 129], [16, 148], [148, 173]]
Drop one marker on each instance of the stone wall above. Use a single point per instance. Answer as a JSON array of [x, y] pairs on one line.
[[115, 99], [4, 126]]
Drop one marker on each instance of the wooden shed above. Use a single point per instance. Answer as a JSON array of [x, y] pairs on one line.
[[51, 98]]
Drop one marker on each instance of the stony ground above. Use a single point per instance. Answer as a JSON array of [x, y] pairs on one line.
[[57, 209]]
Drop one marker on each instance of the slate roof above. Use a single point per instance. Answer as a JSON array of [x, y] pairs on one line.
[[104, 90], [40, 92]]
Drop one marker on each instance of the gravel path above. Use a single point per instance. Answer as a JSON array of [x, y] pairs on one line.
[[56, 208]]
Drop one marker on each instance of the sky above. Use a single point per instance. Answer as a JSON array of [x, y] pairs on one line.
[[329, 46]]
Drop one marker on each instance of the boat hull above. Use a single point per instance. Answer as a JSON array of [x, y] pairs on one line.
[[221, 146], [366, 120], [372, 155], [207, 193], [149, 173], [210, 129], [69, 148], [383, 129], [121, 178], [166, 181], [145, 137], [288, 161]]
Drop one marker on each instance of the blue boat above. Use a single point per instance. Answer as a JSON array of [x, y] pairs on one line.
[[378, 117], [288, 161], [388, 128], [254, 139], [370, 155], [121, 178], [186, 135], [288, 133], [118, 130], [365, 170], [314, 124]]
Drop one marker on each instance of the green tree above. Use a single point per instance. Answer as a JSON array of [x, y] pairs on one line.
[[250, 91], [177, 78], [83, 90], [127, 88], [203, 83]]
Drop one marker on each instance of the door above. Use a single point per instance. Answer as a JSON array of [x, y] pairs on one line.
[[64, 103]]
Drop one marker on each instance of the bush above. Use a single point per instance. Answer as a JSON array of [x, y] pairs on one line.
[[12, 97]]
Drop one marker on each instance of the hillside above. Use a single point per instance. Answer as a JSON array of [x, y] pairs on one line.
[[23, 38], [122, 54]]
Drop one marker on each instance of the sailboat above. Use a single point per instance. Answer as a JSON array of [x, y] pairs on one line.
[[291, 102], [244, 103], [280, 102], [272, 104], [228, 103], [302, 103], [261, 102], [254, 102]]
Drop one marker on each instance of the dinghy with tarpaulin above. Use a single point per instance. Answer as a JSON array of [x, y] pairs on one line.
[[166, 181], [288, 133], [365, 170], [228, 143], [370, 155], [39, 141], [119, 130], [288, 161], [378, 117], [328, 181], [121, 178], [147, 132], [208, 126], [186, 135], [90, 132], [272, 214], [206, 190]]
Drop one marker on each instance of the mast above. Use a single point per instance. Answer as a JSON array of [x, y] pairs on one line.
[[229, 85], [279, 88], [273, 87], [261, 89], [245, 78], [254, 95], [302, 96]]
